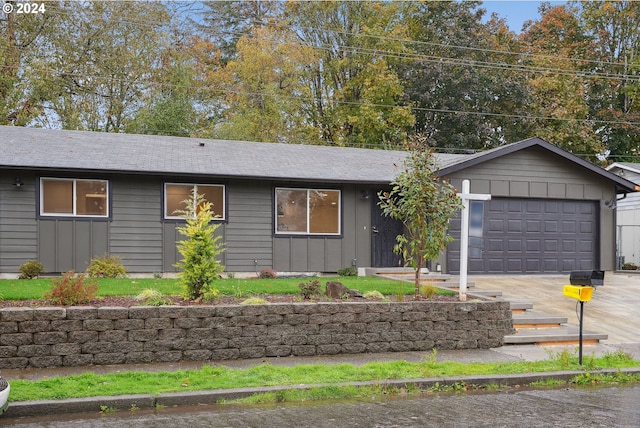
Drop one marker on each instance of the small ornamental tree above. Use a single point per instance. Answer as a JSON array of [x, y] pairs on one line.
[[424, 203], [199, 249]]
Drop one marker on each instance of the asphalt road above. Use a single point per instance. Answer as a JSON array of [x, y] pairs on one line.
[[575, 407]]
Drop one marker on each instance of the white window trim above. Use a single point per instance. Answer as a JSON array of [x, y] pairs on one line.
[[74, 198], [218, 217], [307, 233]]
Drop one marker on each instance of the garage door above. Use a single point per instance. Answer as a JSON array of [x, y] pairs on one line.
[[531, 236]]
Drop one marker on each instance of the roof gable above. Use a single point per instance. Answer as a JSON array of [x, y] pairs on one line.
[[481, 157]]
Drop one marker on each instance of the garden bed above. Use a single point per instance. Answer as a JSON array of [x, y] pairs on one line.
[[129, 301]]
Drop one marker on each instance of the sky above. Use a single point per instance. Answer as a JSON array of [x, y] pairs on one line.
[[516, 12]]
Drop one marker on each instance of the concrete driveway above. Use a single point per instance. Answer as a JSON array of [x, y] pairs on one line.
[[613, 310]]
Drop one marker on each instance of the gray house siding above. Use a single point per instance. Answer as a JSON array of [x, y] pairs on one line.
[[246, 234], [65, 245], [136, 233], [137, 166], [18, 226], [536, 173], [328, 254]]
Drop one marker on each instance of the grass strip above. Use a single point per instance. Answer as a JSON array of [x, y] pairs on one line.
[[22, 289], [220, 378]]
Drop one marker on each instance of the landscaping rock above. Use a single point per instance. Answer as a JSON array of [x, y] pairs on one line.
[[337, 290]]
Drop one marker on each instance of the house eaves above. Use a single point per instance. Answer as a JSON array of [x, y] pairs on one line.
[[623, 185], [627, 166]]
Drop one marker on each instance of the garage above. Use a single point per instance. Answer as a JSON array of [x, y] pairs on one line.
[[550, 211], [530, 236]]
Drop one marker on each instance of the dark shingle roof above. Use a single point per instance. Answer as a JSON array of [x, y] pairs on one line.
[[58, 150], [151, 154]]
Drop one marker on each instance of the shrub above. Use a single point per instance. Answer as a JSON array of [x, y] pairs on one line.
[[348, 271], [200, 249], [152, 297], [373, 294], [211, 294], [255, 301], [308, 289], [106, 266], [267, 273], [72, 289], [31, 269], [629, 266], [428, 291]]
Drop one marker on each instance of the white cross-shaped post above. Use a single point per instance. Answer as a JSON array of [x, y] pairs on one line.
[[464, 233]]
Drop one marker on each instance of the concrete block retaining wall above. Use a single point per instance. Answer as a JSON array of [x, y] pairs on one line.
[[75, 336]]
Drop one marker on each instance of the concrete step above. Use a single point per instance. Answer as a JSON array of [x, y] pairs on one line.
[[531, 319], [485, 293], [517, 307], [564, 335]]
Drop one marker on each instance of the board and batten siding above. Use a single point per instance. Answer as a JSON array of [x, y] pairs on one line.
[[246, 233], [537, 173], [136, 234], [70, 244], [18, 225], [329, 253]]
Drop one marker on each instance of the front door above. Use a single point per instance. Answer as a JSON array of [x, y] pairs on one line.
[[383, 237]]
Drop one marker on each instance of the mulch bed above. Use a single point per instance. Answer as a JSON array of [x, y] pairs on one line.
[[124, 301]]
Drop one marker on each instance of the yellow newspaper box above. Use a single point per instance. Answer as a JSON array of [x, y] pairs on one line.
[[577, 292]]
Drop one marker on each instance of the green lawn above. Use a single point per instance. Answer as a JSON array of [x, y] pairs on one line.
[[218, 378], [22, 289]]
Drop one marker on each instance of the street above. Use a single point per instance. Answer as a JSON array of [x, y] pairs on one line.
[[567, 407]]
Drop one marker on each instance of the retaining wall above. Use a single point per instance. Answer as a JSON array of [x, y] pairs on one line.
[[74, 336]]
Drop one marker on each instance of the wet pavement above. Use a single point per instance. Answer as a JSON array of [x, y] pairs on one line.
[[614, 310], [576, 407]]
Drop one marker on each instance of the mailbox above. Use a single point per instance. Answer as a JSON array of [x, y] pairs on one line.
[[590, 278], [578, 292]]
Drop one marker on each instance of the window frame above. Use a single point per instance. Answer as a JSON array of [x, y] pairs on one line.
[[307, 233], [221, 217], [74, 214]]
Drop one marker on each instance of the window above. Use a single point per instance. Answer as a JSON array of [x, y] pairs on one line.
[[74, 197], [176, 194], [307, 211]]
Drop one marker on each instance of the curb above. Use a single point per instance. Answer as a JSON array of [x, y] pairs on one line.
[[194, 398]]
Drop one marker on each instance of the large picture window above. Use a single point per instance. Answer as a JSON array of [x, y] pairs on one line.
[[74, 197], [175, 194], [307, 211]]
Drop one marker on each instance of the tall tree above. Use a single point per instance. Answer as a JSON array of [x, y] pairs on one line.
[[101, 61], [263, 96], [173, 104], [23, 39], [465, 92], [556, 45], [225, 22], [169, 107], [614, 100], [356, 94]]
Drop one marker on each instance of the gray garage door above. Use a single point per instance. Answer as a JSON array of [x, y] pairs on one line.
[[531, 236]]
